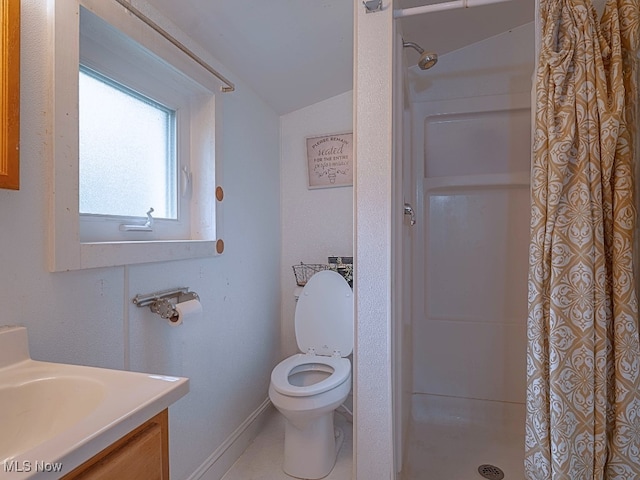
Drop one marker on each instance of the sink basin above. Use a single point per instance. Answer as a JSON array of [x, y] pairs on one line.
[[42, 407], [56, 416]]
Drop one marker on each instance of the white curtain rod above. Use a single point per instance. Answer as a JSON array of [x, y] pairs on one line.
[[438, 7], [230, 87]]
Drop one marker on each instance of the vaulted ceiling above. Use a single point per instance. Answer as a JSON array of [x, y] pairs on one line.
[[450, 30], [294, 53]]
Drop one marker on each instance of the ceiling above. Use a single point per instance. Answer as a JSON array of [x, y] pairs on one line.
[[294, 53], [450, 30]]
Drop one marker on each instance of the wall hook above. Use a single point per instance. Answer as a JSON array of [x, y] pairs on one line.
[[372, 6]]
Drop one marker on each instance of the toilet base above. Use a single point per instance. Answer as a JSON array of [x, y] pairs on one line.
[[311, 452]]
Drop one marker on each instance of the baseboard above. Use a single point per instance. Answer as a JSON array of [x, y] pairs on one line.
[[221, 460]]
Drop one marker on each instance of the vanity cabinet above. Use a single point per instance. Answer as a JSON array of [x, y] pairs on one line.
[[142, 453]]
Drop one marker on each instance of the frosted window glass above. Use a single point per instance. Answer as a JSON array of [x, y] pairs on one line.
[[127, 153]]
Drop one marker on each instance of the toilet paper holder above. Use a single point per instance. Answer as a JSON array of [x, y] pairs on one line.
[[161, 303]]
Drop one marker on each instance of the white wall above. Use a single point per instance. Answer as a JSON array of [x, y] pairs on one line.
[[315, 223], [375, 209], [471, 124], [87, 317]]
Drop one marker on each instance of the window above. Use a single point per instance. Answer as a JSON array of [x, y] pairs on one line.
[[134, 129], [127, 151], [134, 139]]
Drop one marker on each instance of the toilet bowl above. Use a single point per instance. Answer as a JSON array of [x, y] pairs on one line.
[[307, 387]]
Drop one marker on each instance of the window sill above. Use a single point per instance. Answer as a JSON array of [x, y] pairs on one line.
[[113, 254], [110, 254]]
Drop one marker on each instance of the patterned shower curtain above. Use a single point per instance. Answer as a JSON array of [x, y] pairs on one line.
[[583, 357]]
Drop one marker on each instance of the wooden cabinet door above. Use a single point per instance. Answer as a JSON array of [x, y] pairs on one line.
[[10, 94], [142, 454]]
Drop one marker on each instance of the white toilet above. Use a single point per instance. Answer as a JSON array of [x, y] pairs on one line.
[[307, 387]]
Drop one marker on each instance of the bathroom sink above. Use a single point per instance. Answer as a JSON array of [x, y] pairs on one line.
[[40, 408], [56, 416]]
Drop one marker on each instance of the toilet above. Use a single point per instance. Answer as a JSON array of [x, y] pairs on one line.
[[307, 387]]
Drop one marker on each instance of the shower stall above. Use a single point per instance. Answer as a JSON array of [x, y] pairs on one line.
[[460, 369]]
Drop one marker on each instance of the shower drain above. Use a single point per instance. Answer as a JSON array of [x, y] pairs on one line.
[[491, 472]]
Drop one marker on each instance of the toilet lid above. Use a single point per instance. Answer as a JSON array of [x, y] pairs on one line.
[[324, 315]]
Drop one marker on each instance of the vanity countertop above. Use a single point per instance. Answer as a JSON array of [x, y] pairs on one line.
[[56, 416]]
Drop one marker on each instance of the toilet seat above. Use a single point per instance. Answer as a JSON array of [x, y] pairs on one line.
[[280, 374]]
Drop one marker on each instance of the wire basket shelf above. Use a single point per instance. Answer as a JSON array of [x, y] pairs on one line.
[[305, 271]]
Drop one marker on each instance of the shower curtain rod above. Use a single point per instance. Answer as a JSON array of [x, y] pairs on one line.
[[438, 7], [230, 87]]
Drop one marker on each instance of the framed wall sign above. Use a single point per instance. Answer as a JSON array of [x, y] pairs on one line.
[[10, 94], [330, 160]]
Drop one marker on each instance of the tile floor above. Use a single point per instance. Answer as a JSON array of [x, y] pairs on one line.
[[262, 460], [447, 440]]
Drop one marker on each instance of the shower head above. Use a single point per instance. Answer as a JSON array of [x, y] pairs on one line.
[[427, 59]]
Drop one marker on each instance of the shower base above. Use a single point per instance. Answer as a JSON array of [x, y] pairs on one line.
[[449, 438]]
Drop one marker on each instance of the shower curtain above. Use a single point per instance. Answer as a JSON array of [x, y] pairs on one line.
[[583, 356]]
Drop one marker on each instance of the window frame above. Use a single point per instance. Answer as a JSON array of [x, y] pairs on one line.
[[174, 161], [66, 250]]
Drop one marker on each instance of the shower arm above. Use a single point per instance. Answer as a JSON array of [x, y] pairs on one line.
[[413, 45]]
